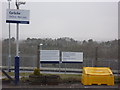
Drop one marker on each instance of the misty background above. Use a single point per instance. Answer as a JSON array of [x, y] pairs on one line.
[[66, 26], [78, 20]]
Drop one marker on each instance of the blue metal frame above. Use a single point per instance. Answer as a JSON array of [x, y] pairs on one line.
[[16, 69], [49, 61], [21, 22], [71, 62]]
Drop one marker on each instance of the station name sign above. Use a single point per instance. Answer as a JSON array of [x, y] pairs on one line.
[[17, 16]]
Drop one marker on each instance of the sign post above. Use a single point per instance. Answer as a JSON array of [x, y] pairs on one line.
[[65, 68], [9, 56], [17, 50], [19, 17]]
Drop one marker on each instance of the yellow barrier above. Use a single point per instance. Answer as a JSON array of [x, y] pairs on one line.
[[97, 75]]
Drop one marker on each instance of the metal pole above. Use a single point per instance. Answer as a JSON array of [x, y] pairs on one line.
[[60, 61], [9, 56], [38, 56], [17, 52], [59, 65], [65, 68], [96, 57], [17, 47], [17, 34], [17, 40], [40, 48]]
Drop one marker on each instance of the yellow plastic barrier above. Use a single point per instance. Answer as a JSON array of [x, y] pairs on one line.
[[97, 75]]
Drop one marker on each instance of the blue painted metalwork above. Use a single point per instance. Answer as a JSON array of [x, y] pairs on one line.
[[16, 69]]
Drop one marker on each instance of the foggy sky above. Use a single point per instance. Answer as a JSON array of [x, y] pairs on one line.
[[77, 20]]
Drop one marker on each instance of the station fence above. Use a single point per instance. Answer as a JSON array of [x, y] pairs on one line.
[[31, 61]]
